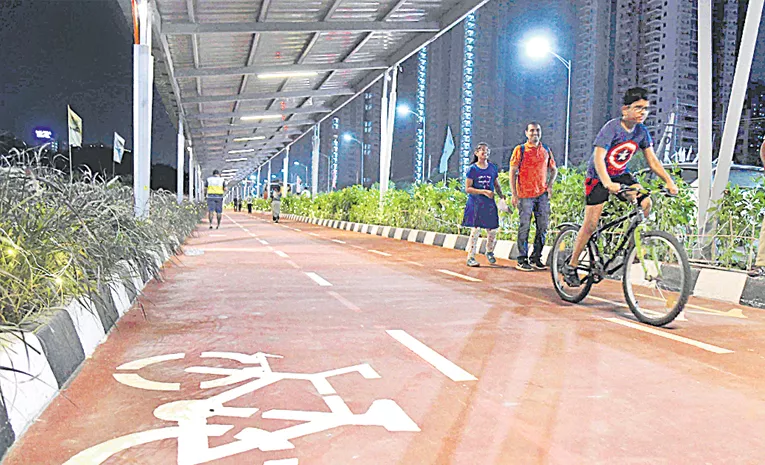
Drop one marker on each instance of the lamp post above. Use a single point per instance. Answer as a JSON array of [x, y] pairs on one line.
[[297, 163], [348, 137], [539, 47], [403, 110]]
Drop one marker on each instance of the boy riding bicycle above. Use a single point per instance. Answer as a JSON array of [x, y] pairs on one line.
[[607, 170]]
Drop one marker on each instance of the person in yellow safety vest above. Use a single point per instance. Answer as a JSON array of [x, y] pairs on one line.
[[216, 187]]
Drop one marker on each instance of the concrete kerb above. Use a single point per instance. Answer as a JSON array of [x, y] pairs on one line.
[[48, 358], [728, 286]]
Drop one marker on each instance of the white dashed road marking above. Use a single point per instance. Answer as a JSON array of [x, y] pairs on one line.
[[318, 279], [438, 361], [461, 276]]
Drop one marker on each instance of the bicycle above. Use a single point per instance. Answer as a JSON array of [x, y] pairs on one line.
[[654, 265]]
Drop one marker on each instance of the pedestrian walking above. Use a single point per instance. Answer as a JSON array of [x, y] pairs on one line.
[[481, 210], [249, 205], [236, 203], [216, 187], [758, 271], [276, 203], [532, 174]]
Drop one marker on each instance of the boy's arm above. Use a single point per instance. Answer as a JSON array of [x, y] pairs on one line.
[[552, 173], [599, 158], [656, 167]]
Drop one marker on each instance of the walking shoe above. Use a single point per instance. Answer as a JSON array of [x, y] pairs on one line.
[[571, 276], [491, 258], [472, 262], [210, 226], [538, 265], [757, 272], [523, 265]]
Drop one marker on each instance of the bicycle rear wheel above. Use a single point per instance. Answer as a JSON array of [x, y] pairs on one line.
[[562, 250], [658, 282]]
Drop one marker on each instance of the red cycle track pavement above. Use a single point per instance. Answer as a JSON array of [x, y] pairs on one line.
[[556, 383]]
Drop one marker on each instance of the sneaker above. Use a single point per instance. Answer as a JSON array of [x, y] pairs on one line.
[[217, 227], [538, 265], [757, 272], [210, 226], [571, 276], [491, 258], [523, 265], [472, 262]]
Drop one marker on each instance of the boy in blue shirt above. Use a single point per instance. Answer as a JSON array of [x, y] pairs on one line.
[[607, 170]]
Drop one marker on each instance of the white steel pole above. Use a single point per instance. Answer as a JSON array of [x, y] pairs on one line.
[[705, 111], [179, 164], [286, 171], [316, 143], [192, 179]]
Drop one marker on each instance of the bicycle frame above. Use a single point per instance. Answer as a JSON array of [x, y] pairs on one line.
[[601, 269]]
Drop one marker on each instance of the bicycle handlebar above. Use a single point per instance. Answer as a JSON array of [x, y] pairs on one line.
[[625, 188]]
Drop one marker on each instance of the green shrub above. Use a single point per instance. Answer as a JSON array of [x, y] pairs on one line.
[[62, 240]]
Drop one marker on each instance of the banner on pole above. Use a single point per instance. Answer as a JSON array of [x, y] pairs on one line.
[[75, 128], [448, 151], [119, 148]]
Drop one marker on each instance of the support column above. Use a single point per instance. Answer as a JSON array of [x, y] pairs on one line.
[[143, 78], [383, 128], [390, 120], [705, 111], [200, 194], [316, 143], [260, 194], [192, 178], [286, 171], [268, 182], [179, 164]]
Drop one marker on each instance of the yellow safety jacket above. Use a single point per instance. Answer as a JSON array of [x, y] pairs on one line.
[[215, 185]]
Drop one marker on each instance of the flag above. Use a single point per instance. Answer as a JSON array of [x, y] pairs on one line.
[[448, 151], [75, 128], [119, 148]]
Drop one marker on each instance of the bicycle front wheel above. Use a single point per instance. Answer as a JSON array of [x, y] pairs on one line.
[[657, 278], [563, 248]]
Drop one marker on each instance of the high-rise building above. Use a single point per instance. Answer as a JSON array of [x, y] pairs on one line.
[[652, 44]]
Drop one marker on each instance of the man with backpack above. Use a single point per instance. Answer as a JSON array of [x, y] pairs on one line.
[[532, 174]]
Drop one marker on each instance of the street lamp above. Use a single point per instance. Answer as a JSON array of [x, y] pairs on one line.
[[297, 163], [348, 137], [539, 47]]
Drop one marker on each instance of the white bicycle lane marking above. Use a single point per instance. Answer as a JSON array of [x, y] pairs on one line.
[[190, 416]]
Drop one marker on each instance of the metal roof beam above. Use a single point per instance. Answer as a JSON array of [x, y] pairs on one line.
[[282, 27], [319, 68], [270, 95], [253, 126], [239, 114]]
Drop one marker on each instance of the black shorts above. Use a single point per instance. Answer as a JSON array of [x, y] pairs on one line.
[[597, 194]]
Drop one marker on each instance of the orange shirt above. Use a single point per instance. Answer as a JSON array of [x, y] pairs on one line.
[[532, 176]]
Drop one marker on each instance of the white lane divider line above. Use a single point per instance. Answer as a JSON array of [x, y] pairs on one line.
[[680, 317], [413, 263], [357, 247], [347, 303], [314, 234], [380, 253], [461, 276], [281, 254], [438, 361], [318, 279], [293, 264], [217, 235], [674, 337], [338, 241], [263, 242], [296, 229]]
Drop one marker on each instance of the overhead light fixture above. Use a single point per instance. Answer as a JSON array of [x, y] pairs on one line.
[[245, 139], [287, 74], [236, 159], [242, 151], [256, 117], [229, 171]]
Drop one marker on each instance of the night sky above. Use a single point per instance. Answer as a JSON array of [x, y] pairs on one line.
[[75, 52]]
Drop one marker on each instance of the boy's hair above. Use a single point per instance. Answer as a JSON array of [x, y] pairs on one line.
[[634, 94]]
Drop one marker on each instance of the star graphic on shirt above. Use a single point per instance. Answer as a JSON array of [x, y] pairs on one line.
[[624, 155]]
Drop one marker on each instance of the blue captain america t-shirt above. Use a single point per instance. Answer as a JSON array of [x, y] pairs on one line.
[[620, 146]]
